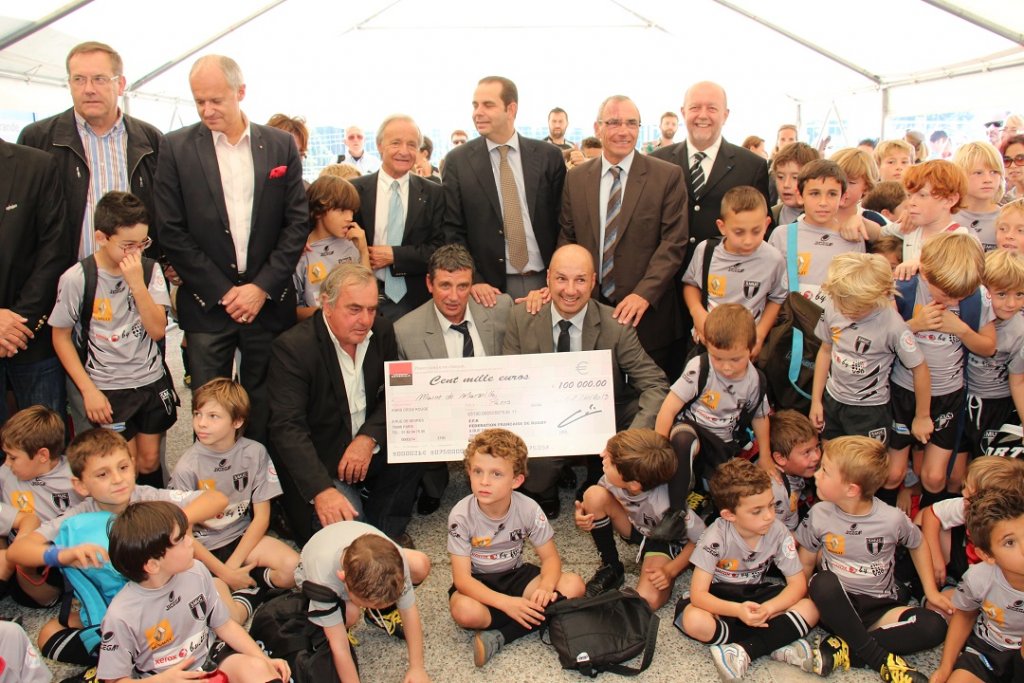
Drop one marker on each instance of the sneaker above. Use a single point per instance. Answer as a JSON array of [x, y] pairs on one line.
[[87, 676], [731, 660], [832, 653], [389, 621], [607, 577], [799, 653], [896, 670], [698, 502], [485, 645]]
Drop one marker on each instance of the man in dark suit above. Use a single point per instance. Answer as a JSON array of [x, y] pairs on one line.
[[572, 321], [328, 430], [34, 250], [503, 193], [721, 165], [450, 325], [402, 215], [629, 212], [232, 218]]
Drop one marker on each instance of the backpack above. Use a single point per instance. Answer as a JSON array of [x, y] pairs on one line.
[[597, 634], [93, 587], [791, 347], [281, 626], [742, 431]]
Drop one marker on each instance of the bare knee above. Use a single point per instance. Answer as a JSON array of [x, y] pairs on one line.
[[419, 565], [468, 613], [698, 624], [571, 585]]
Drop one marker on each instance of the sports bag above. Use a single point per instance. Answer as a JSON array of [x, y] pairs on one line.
[[597, 634], [281, 626]]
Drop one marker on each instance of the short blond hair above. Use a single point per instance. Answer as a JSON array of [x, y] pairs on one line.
[[343, 171], [859, 283], [1016, 206], [971, 154], [953, 262], [859, 460], [1004, 271], [231, 396], [501, 444], [995, 472], [856, 163], [887, 148]]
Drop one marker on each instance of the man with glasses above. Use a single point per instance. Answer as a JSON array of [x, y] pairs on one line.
[[357, 154], [98, 148], [994, 130], [629, 211]]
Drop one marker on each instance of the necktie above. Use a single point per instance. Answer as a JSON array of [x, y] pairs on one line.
[[563, 336], [515, 232], [394, 287], [611, 233], [697, 174], [467, 341]]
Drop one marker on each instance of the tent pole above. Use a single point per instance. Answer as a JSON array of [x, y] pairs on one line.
[[885, 112], [25, 31], [977, 20]]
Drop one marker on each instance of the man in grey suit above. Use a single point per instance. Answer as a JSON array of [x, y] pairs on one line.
[[450, 325], [571, 321]]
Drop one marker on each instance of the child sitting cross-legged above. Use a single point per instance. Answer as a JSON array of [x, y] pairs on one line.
[[731, 606]]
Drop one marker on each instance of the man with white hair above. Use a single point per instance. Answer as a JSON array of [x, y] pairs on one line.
[[357, 155], [232, 218]]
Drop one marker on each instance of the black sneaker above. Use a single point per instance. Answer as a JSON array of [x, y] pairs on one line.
[[427, 504], [671, 528], [567, 478], [552, 508], [608, 577], [389, 621], [87, 676]]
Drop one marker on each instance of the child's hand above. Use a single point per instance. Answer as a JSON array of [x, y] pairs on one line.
[[356, 234], [941, 675], [817, 414], [952, 324], [904, 501], [131, 270], [922, 428], [939, 569], [237, 577], [940, 601], [83, 556], [756, 351], [753, 614], [659, 578], [282, 669], [906, 270], [97, 407], [178, 672], [583, 520], [854, 231], [522, 611], [768, 465], [542, 598], [928, 317]]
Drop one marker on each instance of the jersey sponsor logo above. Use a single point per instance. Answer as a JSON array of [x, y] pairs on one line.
[[835, 333], [789, 547], [824, 241], [712, 549], [835, 544], [480, 541], [223, 465], [107, 645], [25, 501], [207, 485], [159, 635], [317, 272], [240, 481], [875, 544], [907, 341], [172, 600], [61, 500], [803, 262], [187, 649], [853, 530], [736, 268], [900, 428], [993, 612], [272, 474], [942, 421], [102, 310], [198, 608], [730, 564], [453, 531], [862, 344], [716, 285], [751, 288], [711, 399]]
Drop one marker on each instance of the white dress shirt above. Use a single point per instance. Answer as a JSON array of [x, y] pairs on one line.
[[606, 191], [237, 180], [352, 376], [535, 263], [453, 338], [575, 332]]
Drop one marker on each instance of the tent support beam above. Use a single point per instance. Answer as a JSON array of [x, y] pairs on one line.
[[874, 78], [185, 55], [26, 31], [977, 20]]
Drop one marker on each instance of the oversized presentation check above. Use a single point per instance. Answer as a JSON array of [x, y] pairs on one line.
[[559, 403]]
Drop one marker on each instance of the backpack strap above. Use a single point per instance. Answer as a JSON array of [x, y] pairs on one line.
[[970, 310], [91, 272], [652, 640], [709, 253], [907, 290], [316, 592], [796, 351], [702, 381]]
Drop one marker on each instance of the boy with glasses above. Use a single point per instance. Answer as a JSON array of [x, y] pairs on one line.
[[113, 358]]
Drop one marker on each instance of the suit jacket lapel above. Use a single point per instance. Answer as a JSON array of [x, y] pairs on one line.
[[531, 174], [591, 327], [373, 373], [725, 161], [592, 184], [485, 327], [433, 335], [7, 171], [260, 171], [634, 188], [416, 194], [208, 162], [480, 162], [684, 161], [368, 208], [329, 356], [542, 324]]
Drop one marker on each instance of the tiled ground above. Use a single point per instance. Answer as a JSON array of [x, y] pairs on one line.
[[448, 650]]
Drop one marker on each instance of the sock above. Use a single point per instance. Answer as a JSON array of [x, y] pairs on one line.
[[684, 443], [830, 598], [781, 630], [721, 635], [513, 631], [604, 539], [5, 588], [918, 629], [929, 498], [889, 496], [154, 478], [261, 575], [244, 602]]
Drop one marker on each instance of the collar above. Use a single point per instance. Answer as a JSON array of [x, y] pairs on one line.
[[116, 128], [576, 320], [711, 151], [246, 136], [360, 347], [513, 142], [624, 164], [445, 322], [385, 180]]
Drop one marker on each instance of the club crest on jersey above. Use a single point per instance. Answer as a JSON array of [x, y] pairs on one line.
[[862, 344], [875, 544], [878, 434], [751, 288], [61, 500], [240, 481], [198, 608]]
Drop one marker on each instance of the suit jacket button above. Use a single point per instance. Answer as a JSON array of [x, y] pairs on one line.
[[227, 232], [696, 207], [693, 240], [232, 265]]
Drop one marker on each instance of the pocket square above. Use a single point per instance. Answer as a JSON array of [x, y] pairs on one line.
[[278, 172]]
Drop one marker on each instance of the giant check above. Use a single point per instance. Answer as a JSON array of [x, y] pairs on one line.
[[559, 403]]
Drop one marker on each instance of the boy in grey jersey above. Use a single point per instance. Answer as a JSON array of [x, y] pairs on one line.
[[861, 336], [223, 460], [632, 498], [19, 660], [366, 570], [493, 588], [795, 458], [986, 630], [743, 268], [161, 621], [731, 607], [855, 590], [118, 367], [36, 481]]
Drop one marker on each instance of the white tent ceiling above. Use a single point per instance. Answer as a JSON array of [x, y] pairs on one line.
[[342, 62]]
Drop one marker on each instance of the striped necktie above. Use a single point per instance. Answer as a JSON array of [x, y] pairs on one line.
[[697, 174], [611, 234]]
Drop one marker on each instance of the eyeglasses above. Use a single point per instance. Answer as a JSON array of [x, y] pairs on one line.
[[1015, 160], [353, 137], [98, 81], [619, 123], [994, 124], [458, 141], [130, 247]]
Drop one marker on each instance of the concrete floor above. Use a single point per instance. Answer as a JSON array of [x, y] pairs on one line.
[[448, 650]]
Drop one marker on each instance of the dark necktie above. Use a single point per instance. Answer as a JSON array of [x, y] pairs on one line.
[[467, 341], [563, 336], [697, 174]]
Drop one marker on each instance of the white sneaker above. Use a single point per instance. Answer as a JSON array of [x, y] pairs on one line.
[[796, 653], [731, 660]]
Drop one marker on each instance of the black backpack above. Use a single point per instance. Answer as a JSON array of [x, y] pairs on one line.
[[281, 626], [597, 634]]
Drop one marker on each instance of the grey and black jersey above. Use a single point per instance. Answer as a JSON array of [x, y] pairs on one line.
[[990, 377], [787, 499], [718, 408], [1001, 619], [816, 247], [723, 553], [647, 508], [139, 495], [47, 497], [751, 280], [496, 545]]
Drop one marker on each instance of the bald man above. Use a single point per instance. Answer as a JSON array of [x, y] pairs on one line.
[[640, 385]]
